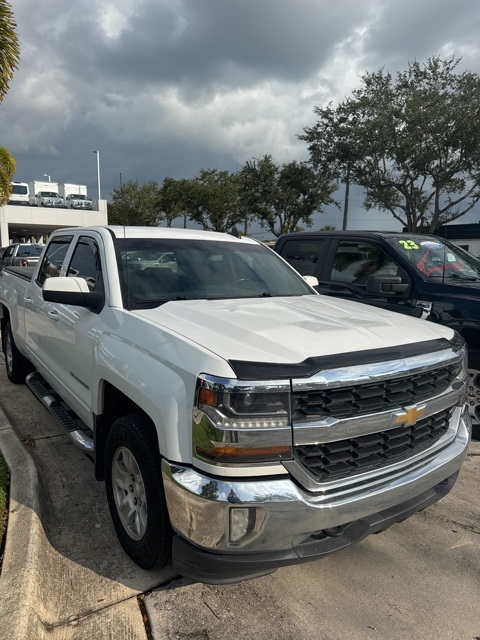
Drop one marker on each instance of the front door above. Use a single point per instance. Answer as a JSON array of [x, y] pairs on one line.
[[351, 264]]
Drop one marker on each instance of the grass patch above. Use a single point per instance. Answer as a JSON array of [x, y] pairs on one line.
[[4, 477]]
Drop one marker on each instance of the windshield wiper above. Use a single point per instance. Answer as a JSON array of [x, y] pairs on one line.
[[458, 276]]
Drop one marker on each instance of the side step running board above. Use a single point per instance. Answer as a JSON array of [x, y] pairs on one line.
[[78, 431]]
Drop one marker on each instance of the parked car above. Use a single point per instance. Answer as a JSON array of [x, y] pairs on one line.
[[78, 201], [417, 275], [19, 193], [48, 199], [21, 255]]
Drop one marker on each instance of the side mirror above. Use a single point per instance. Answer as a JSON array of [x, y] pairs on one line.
[[386, 285], [73, 291], [311, 280]]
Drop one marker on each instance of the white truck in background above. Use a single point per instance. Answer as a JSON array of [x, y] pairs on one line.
[[75, 196], [20, 193], [44, 194]]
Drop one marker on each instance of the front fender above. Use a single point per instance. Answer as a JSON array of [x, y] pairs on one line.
[[159, 375]]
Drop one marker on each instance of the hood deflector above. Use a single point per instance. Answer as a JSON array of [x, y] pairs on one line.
[[309, 367]]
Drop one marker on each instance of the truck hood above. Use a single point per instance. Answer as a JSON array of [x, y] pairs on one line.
[[289, 329]]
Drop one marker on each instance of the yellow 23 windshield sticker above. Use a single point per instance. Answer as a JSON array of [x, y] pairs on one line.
[[409, 244]]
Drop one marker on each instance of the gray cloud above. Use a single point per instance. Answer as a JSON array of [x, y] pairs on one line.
[[165, 87]]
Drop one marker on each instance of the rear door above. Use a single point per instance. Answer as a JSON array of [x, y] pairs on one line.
[[73, 330], [37, 310], [307, 254]]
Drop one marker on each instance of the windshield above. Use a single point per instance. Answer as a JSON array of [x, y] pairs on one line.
[[437, 259], [78, 196], [154, 271], [48, 194]]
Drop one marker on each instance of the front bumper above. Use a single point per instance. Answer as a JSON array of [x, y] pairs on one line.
[[292, 524]]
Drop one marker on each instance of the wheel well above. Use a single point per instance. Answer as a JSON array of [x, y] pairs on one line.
[[115, 405]]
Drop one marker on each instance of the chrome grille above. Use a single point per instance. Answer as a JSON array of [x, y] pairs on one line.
[[361, 399], [343, 458]]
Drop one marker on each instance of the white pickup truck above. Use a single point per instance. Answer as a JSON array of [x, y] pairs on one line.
[[240, 420]]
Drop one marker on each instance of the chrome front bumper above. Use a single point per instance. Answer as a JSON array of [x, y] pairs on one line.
[[289, 518]]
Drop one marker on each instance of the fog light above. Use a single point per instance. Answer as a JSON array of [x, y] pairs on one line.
[[242, 521]]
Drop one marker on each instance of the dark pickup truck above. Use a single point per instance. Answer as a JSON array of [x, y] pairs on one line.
[[418, 275]]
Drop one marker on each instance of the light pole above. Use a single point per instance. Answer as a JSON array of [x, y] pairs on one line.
[[47, 176], [98, 173]]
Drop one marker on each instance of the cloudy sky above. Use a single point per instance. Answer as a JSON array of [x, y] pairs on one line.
[[166, 87]]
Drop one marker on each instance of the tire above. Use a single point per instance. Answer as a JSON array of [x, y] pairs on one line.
[[16, 364], [133, 480], [473, 393]]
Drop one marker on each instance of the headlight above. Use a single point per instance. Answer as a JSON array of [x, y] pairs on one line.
[[245, 409], [460, 346], [237, 422]]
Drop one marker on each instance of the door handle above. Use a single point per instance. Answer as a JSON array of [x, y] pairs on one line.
[[28, 300], [53, 315]]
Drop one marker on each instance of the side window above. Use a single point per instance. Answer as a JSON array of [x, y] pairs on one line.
[[302, 255], [355, 261], [86, 263], [53, 259]]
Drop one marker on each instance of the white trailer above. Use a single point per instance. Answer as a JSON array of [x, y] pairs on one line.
[[75, 196], [66, 189]]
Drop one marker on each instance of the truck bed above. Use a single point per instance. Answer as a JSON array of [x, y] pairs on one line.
[[22, 272]]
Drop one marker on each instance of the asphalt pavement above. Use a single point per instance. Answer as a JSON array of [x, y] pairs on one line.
[[65, 576]]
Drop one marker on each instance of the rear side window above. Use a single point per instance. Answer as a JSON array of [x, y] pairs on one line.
[[303, 255], [53, 259]]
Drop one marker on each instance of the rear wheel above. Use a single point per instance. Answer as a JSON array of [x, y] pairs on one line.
[[473, 392], [135, 491], [15, 363]]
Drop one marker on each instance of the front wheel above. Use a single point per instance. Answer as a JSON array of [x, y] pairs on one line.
[[135, 491], [15, 362], [473, 392]]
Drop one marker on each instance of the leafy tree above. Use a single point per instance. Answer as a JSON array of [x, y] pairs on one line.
[[7, 170], [282, 197], [174, 199], [413, 143], [213, 200], [9, 59], [135, 205]]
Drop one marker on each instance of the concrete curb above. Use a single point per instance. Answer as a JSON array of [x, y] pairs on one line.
[[25, 539], [45, 594]]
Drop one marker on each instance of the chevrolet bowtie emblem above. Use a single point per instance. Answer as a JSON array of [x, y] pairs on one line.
[[410, 416]]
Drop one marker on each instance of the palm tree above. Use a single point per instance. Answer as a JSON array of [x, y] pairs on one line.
[[9, 59], [9, 47], [7, 169]]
